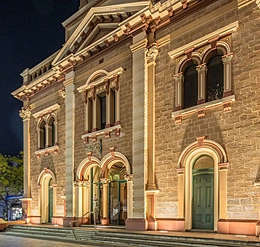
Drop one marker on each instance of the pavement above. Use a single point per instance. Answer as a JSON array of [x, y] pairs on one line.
[[11, 241]]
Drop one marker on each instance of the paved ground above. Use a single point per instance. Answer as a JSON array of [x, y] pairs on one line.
[[11, 241]]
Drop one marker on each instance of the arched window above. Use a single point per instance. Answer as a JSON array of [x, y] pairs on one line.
[[190, 88], [215, 78], [42, 134], [51, 135]]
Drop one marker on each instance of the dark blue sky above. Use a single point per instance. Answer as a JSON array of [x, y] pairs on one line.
[[30, 31]]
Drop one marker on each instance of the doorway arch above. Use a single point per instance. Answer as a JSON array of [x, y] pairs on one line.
[[47, 195], [96, 185], [188, 158]]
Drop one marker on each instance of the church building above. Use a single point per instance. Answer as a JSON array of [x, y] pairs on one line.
[[148, 117]]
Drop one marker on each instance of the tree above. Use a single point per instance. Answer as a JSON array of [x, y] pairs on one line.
[[11, 177]]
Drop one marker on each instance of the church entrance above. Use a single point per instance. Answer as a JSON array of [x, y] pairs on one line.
[[117, 202], [203, 193]]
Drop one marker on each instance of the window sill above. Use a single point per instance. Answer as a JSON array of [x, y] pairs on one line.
[[47, 151], [200, 109], [104, 132]]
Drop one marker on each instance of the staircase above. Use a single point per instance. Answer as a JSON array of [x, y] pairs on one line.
[[116, 237]]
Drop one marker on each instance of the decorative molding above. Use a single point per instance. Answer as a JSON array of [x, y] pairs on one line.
[[106, 77], [200, 141], [204, 40], [104, 132], [226, 102], [152, 53], [129, 177], [25, 113], [223, 166], [47, 151], [46, 111], [201, 113]]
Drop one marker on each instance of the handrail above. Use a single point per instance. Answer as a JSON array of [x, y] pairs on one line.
[[75, 221]]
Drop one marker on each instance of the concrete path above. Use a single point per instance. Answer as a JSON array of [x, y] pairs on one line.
[[11, 241]]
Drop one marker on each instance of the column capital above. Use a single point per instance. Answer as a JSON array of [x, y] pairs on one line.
[[128, 177], [227, 58], [152, 53], [25, 113], [201, 67], [178, 76]]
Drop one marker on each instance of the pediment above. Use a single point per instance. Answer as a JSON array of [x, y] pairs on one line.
[[98, 26]]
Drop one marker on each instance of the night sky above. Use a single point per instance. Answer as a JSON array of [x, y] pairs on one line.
[[30, 31]]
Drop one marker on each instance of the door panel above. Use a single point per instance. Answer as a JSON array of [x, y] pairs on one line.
[[203, 201]]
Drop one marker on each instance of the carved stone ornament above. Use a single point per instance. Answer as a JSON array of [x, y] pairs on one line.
[[62, 93], [152, 53], [25, 113], [128, 177]]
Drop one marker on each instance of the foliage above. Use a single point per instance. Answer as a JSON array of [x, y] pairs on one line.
[[11, 176]]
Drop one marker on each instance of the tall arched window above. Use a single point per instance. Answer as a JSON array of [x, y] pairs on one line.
[[215, 78], [190, 88], [42, 134], [51, 134]]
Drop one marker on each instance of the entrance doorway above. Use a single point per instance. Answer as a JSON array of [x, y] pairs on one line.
[[203, 193], [118, 202]]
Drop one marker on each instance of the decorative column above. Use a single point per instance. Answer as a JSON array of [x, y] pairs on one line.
[[181, 189], [151, 189], [227, 74], [54, 189], [223, 169], [202, 69], [69, 151], [94, 110], [179, 79], [86, 201], [129, 179], [78, 198], [48, 135], [117, 98], [56, 132], [105, 219], [150, 57], [140, 140], [108, 108], [222, 225], [25, 114]]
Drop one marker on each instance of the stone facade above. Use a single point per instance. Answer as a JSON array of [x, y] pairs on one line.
[[152, 149]]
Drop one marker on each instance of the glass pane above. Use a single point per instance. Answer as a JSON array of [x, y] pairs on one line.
[[103, 111], [204, 162], [215, 78], [190, 86]]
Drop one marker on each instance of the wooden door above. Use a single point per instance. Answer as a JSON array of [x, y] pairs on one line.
[[203, 200]]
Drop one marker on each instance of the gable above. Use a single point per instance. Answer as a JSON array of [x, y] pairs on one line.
[[99, 24]]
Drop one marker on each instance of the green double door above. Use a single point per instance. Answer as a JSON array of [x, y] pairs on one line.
[[203, 199], [117, 202]]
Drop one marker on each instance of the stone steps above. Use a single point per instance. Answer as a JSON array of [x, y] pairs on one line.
[[115, 237]]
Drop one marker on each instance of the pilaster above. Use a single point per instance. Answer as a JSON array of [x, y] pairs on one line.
[[25, 114], [140, 111], [69, 152]]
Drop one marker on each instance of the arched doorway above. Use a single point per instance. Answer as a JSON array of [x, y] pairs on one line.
[[203, 193], [202, 187], [117, 194], [102, 190], [47, 195]]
